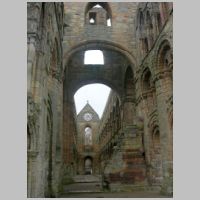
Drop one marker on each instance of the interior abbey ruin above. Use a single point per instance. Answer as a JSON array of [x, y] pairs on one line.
[[128, 149]]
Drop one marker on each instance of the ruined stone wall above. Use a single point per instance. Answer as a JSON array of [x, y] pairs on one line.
[[109, 128], [44, 52], [153, 96], [154, 99], [136, 130], [121, 32]]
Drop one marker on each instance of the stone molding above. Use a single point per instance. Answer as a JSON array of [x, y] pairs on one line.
[[32, 121], [162, 74], [153, 119]]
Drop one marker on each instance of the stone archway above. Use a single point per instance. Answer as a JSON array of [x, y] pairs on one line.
[[88, 165], [77, 74]]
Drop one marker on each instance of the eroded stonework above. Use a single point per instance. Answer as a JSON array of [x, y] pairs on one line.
[[131, 146]]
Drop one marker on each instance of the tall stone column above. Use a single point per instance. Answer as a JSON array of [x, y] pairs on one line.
[[162, 93], [31, 173]]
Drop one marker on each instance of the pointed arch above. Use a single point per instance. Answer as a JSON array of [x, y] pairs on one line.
[[146, 80], [156, 137], [165, 56], [129, 82]]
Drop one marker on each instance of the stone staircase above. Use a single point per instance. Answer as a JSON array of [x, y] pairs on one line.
[[83, 184]]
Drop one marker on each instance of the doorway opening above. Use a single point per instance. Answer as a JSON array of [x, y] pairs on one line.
[[88, 165]]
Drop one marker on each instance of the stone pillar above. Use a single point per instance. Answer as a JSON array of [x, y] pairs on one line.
[[166, 145], [128, 113], [31, 173]]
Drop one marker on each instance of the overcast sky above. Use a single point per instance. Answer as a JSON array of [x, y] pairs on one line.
[[96, 94]]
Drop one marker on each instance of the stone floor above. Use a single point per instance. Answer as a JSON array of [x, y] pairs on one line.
[[136, 194], [89, 186]]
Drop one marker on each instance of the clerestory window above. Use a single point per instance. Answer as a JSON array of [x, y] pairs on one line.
[[93, 57]]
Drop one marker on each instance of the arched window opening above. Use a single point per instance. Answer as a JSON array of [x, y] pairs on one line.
[[129, 86], [147, 80], [42, 23], [166, 57], [88, 165], [148, 20], [98, 14], [88, 136], [141, 19], [156, 139], [96, 94], [149, 29], [92, 18], [93, 57], [42, 16], [146, 46], [92, 21], [159, 22], [97, 6], [108, 22]]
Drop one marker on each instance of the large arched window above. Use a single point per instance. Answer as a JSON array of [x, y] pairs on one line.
[[141, 20], [149, 25], [166, 57], [88, 136], [98, 13], [156, 139], [129, 86], [146, 80]]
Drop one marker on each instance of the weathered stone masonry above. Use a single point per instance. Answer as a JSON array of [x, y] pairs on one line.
[[132, 143]]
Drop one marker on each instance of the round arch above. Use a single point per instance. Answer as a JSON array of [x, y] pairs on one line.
[[100, 45], [88, 164], [165, 41], [104, 82]]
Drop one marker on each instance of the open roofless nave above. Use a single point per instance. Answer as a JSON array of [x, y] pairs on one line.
[[128, 152]]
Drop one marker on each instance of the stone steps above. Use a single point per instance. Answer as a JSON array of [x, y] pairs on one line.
[[87, 178], [83, 184], [82, 187]]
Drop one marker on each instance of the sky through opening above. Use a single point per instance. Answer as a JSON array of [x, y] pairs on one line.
[[96, 94]]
